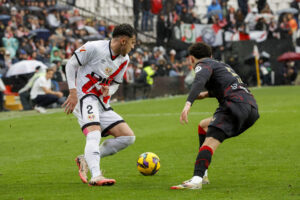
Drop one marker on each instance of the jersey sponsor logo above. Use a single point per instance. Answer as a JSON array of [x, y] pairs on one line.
[[108, 71], [82, 49], [198, 69]]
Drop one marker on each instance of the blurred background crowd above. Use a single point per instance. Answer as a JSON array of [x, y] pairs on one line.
[[36, 35]]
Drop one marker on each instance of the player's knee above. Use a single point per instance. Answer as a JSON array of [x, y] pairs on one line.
[[127, 140], [201, 123], [131, 140]]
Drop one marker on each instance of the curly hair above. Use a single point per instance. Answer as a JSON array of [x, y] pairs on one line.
[[123, 29], [200, 50]]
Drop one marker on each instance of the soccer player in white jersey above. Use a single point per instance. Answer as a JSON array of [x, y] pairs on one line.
[[94, 73]]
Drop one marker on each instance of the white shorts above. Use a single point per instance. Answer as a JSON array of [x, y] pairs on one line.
[[89, 111]]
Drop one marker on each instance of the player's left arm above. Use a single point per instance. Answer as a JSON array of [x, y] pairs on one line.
[[202, 76]]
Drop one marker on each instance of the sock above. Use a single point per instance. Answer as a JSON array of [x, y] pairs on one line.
[[91, 152], [201, 134], [203, 160], [114, 145]]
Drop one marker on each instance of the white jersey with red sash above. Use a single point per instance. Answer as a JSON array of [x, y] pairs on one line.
[[98, 67]]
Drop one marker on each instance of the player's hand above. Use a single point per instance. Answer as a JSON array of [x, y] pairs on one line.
[[184, 113], [105, 90], [71, 101], [202, 95]]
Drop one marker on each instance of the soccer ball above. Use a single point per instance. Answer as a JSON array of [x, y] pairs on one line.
[[148, 163]]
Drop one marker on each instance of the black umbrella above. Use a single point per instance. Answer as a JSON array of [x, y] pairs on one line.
[[41, 33], [34, 8], [59, 7], [251, 58]]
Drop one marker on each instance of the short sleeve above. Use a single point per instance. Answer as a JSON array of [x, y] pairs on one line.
[[84, 53]]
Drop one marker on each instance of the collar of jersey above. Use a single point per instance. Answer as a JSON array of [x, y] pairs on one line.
[[111, 56]]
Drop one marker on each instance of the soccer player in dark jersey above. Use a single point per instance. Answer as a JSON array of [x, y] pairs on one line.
[[237, 109]]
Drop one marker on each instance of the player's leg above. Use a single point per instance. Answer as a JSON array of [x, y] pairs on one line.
[[212, 141], [87, 113], [123, 135], [202, 129]]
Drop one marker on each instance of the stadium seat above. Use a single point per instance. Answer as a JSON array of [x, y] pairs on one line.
[[10, 103]]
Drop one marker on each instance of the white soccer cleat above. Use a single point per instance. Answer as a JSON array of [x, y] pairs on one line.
[[188, 185], [205, 180], [83, 168], [40, 109], [101, 181]]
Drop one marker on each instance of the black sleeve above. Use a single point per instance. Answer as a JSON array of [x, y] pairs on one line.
[[201, 78]]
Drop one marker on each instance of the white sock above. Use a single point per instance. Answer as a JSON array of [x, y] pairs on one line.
[[91, 152], [196, 179], [114, 145], [206, 173]]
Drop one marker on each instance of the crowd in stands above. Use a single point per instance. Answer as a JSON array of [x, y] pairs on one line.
[[46, 31]]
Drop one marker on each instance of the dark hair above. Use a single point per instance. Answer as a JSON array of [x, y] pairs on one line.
[[200, 50], [123, 30]]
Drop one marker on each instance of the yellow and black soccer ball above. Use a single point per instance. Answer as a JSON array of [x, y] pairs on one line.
[[148, 163]]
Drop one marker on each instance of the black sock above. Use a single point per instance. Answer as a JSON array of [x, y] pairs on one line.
[[203, 160]]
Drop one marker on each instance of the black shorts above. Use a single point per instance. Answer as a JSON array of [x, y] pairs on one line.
[[232, 118]]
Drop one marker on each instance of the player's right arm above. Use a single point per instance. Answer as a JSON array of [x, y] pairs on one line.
[[71, 69], [81, 57]]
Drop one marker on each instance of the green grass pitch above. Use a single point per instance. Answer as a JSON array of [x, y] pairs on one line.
[[37, 153]]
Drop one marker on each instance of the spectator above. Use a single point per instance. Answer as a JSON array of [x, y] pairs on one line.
[[136, 12], [10, 42], [161, 30], [24, 93], [41, 93], [243, 6], [214, 6], [145, 80], [2, 89], [289, 72], [146, 6], [251, 18]]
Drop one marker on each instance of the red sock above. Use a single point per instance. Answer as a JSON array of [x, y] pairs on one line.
[[201, 131]]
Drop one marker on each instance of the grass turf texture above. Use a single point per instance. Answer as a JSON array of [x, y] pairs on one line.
[[37, 153]]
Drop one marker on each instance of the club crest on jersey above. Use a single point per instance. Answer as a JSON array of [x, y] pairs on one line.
[[91, 117], [82, 49], [198, 69], [108, 71]]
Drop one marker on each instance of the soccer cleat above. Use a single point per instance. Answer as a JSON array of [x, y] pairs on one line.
[[187, 185], [205, 180], [101, 181], [40, 109], [83, 168]]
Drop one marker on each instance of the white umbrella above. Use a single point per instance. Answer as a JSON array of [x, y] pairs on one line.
[[91, 30], [24, 67]]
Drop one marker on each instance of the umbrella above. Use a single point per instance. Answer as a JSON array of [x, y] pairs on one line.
[[289, 56], [59, 7], [212, 13], [34, 8], [251, 58], [24, 67], [41, 33], [91, 30], [287, 10], [93, 37], [4, 18], [75, 19]]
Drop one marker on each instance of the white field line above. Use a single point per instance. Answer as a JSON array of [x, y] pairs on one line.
[[16, 115]]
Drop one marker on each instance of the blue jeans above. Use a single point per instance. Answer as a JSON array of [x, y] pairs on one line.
[[147, 15]]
